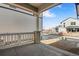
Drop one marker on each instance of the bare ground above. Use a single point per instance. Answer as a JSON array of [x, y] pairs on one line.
[[62, 45]]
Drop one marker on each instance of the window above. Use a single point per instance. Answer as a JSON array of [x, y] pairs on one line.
[[73, 23], [64, 24]]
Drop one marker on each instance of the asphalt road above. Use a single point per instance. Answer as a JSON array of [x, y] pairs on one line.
[[52, 36]]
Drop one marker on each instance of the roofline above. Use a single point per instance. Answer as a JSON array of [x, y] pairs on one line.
[[69, 18]]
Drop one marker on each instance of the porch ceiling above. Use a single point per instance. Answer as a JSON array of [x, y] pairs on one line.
[[35, 7]]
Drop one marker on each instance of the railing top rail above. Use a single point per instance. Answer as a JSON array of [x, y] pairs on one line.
[[16, 33]]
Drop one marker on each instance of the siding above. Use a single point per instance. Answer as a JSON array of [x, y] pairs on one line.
[[11, 21], [68, 22]]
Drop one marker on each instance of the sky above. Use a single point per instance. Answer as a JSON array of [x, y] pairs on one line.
[[52, 17]]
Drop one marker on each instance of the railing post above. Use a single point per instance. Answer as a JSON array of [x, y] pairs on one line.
[[37, 37]]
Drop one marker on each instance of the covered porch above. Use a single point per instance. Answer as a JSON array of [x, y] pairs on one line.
[[28, 43], [73, 28]]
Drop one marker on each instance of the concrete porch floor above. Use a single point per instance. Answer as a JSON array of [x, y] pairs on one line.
[[34, 50]]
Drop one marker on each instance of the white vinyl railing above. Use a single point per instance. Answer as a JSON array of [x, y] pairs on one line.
[[8, 40]]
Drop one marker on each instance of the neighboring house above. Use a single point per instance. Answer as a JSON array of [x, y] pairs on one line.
[[69, 25]]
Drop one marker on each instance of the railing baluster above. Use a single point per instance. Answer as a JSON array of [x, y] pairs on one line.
[[11, 38], [27, 36], [23, 37], [1, 41], [15, 38], [4, 38]]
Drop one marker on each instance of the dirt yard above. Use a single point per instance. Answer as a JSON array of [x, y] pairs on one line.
[[76, 34], [65, 45]]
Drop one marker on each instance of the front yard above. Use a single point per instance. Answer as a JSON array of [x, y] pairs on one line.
[[69, 45]]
